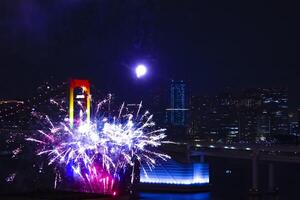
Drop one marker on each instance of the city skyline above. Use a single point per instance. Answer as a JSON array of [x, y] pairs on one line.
[[149, 99], [255, 115]]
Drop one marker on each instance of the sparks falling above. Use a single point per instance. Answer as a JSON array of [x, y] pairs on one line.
[[101, 150]]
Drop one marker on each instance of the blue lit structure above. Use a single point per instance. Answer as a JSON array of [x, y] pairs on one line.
[[175, 196], [172, 172], [177, 112]]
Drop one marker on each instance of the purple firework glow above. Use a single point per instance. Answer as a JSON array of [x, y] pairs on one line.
[[101, 150]]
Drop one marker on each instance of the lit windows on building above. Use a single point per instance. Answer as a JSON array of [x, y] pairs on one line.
[[178, 104]]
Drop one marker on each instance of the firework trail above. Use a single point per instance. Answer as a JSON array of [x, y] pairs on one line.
[[100, 151]]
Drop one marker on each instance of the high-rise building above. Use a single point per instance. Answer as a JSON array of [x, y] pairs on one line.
[[226, 107], [251, 117], [275, 102], [201, 107], [177, 112], [263, 130], [157, 100], [215, 117], [294, 123]]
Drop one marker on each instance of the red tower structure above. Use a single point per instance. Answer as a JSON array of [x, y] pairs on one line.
[[85, 86]]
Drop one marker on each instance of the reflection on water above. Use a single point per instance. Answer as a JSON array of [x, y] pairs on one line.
[[174, 196]]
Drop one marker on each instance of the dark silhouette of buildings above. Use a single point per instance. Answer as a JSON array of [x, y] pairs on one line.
[[256, 115]]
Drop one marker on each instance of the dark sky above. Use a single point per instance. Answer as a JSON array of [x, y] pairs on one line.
[[213, 44]]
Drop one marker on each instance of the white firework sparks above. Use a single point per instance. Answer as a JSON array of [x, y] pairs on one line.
[[100, 150]]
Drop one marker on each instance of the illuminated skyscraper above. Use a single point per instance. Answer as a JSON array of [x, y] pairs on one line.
[[178, 105]]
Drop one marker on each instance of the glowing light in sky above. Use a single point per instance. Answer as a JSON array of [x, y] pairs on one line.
[[140, 71]]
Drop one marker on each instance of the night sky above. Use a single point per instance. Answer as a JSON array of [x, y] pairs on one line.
[[212, 44]]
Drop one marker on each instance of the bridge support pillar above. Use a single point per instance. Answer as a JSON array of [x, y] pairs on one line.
[[271, 180], [254, 189], [254, 173], [271, 177]]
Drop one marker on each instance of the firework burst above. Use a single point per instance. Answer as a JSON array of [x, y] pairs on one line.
[[99, 151]]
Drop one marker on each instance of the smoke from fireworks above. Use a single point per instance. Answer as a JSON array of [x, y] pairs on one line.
[[100, 151]]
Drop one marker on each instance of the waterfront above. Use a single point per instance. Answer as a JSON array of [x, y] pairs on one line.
[[231, 179]]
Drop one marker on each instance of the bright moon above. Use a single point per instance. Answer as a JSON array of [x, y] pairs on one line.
[[140, 71]]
